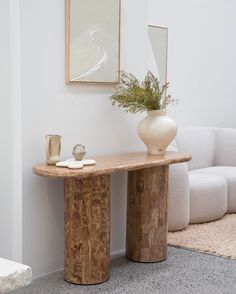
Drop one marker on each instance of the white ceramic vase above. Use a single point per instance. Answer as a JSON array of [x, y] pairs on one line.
[[157, 130], [53, 149]]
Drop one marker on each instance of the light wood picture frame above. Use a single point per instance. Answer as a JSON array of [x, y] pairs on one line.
[[93, 41]]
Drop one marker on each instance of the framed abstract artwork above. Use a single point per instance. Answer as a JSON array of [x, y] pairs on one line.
[[158, 37], [93, 41]]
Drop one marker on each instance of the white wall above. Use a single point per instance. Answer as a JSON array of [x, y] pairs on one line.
[[201, 50], [16, 132], [202, 59], [5, 134], [81, 114]]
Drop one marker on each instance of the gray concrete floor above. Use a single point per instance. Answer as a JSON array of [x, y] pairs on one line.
[[184, 272]]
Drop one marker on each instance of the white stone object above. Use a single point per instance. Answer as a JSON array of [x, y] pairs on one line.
[[88, 162], [62, 163], [84, 161], [75, 165], [13, 275], [157, 130]]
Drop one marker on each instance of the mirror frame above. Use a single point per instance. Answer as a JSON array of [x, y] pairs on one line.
[[167, 36]]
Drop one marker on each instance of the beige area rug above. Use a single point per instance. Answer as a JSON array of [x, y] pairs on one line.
[[217, 238]]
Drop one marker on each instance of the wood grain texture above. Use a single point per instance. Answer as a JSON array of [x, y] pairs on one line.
[[146, 238], [113, 163], [87, 211], [87, 230]]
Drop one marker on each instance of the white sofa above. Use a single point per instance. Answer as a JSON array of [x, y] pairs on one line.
[[204, 189]]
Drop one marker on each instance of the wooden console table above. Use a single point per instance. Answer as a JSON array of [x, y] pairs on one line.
[[87, 212]]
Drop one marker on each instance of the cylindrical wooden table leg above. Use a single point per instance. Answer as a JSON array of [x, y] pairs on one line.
[[87, 230], [146, 239]]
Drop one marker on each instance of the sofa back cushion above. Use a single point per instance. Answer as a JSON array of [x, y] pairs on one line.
[[225, 153], [200, 143]]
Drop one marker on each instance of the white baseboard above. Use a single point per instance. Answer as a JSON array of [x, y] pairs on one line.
[[114, 255], [117, 254]]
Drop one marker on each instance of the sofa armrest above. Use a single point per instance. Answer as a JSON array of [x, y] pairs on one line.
[[178, 197], [225, 147]]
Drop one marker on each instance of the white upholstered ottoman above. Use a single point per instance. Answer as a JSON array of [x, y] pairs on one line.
[[208, 197], [229, 174]]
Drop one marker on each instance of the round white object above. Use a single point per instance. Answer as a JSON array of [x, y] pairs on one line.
[[71, 160], [62, 164], [157, 130], [75, 165], [88, 162]]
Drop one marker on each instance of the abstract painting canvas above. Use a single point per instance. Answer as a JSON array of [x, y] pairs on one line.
[[92, 41]]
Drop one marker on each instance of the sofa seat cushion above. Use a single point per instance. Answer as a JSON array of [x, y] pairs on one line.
[[208, 197], [229, 174]]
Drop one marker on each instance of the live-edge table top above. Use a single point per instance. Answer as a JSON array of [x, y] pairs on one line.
[[108, 164]]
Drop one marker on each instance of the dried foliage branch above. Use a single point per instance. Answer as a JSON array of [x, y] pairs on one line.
[[136, 96]]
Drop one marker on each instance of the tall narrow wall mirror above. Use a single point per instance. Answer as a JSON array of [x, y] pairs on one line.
[[159, 42], [92, 41]]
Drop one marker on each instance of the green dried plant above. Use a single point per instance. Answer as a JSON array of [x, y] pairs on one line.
[[136, 96]]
